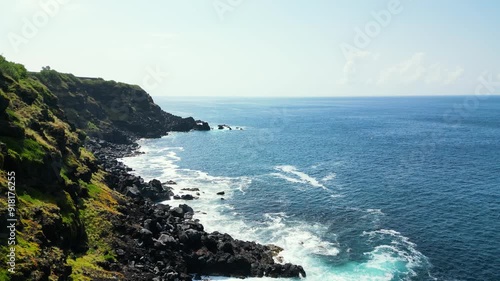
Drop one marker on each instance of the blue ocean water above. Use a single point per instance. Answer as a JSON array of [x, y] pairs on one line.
[[352, 188]]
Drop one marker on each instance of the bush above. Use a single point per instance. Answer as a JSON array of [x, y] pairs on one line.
[[15, 71]]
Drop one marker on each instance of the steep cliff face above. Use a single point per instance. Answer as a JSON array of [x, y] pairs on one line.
[[112, 111], [63, 206]]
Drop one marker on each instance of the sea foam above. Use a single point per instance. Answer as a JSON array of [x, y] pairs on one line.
[[292, 174]]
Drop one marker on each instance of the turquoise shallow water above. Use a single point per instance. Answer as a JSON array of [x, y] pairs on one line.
[[353, 188]]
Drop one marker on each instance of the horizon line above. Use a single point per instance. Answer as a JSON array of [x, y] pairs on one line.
[[319, 97]]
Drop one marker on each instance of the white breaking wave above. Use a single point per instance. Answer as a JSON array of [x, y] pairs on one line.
[[298, 176], [401, 251], [375, 211], [329, 177]]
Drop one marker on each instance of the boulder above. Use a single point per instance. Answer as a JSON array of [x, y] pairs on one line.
[[186, 208], [166, 239], [177, 212], [187, 197], [133, 191], [156, 184]]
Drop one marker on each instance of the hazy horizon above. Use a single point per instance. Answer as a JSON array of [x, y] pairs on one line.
[[239, 48]]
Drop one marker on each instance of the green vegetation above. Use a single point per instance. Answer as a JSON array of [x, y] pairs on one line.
[[25, 150], [62, 193], [91, 126], [15, 71]]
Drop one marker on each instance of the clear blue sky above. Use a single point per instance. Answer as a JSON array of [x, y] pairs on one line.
[[261, 47]]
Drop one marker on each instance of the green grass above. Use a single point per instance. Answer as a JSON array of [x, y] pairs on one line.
[[85, 268], [64, 175], [25, 248], [35, 198], [15, 71], [91, 126], [94, 190], [29, 99], [4, 275], [26, 149], [13, 116]]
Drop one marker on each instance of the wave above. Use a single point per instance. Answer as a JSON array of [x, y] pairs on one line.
[[299, 177], [401, 251], [329, 177], [375, 211]]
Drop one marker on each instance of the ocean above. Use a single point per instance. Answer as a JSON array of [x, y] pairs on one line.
[[388, 188]]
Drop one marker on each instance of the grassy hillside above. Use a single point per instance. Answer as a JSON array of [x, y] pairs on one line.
[[64, 208]]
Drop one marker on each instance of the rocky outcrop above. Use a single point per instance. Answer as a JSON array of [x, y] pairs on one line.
[[224, 127], [202, 126]]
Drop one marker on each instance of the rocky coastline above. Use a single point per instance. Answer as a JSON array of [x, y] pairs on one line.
[[164, 242]]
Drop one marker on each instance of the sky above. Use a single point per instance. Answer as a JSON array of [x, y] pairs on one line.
[[262, 48]]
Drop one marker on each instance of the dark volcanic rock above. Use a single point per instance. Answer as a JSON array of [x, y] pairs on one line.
[[186, 248], [202, 126], [187, 197], [156, 184]]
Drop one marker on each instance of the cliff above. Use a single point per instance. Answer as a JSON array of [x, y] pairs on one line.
[[112, 111], [63, 206], [82, 217]]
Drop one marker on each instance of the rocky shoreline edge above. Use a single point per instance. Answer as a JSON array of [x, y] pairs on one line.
[[162, 242]]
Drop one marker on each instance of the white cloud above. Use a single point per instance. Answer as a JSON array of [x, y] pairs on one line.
[[350, 70], [453, 75], [417, 69]]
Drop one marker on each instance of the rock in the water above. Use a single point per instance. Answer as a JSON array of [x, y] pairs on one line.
[[187, 197], [156, 184], [202, 126], [186, 208]]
